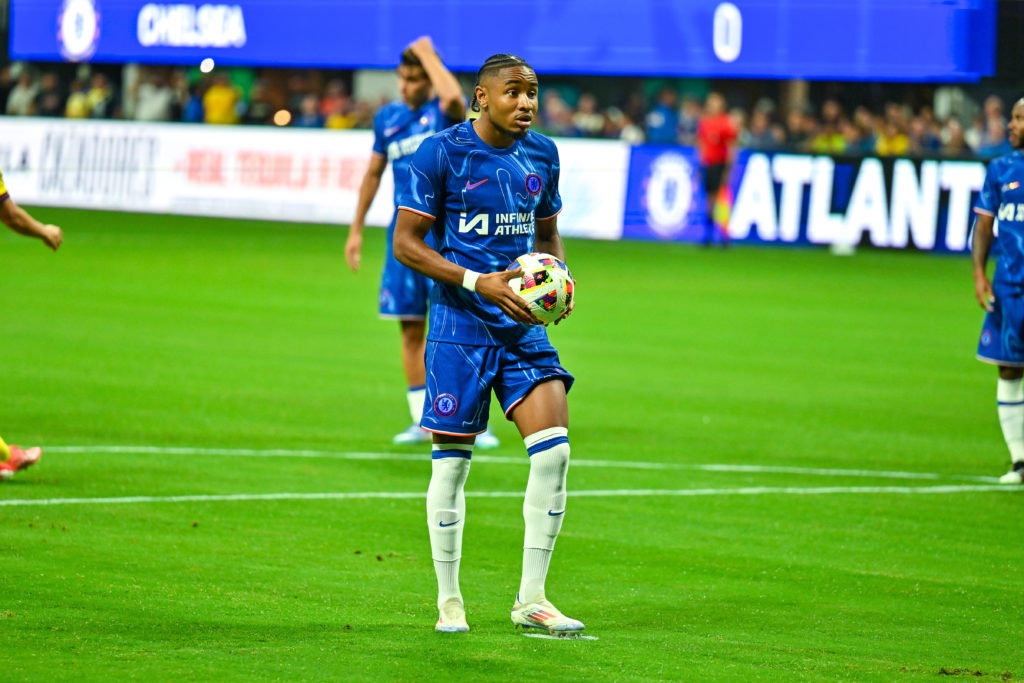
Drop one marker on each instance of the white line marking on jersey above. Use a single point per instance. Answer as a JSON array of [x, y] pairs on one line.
[[521, 460], [609, 493]]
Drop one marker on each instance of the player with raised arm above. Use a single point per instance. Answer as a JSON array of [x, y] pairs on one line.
[[14, 458], [398, 129], [487, 192], [1002, 334]]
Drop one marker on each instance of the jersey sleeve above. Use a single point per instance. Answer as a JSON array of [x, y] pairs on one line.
[[988, 200], [379, 145], [425, 192], [550, 204]]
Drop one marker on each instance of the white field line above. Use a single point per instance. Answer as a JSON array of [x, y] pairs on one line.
[[600, 493], [520, 460]]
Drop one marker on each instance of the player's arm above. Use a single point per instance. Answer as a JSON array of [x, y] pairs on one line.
[[981, 245], [547, 239], [411, 249], [447, 87], [367, 191], [19, 220]]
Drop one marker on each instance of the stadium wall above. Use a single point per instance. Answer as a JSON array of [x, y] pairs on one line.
[[610, 190]]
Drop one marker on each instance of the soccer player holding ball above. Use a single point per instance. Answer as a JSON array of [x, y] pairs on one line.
[[486, 191], [1002, 334], [398, 129], [14, 458]]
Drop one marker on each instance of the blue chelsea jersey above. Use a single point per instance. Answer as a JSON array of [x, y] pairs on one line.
[[1002, 196], [485, 202], [398, 132]]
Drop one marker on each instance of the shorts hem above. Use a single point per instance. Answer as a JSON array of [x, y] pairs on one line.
[[566, 380], [438, 431], [996, 361]]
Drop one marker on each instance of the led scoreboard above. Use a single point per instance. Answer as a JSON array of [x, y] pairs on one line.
[[895, 40]]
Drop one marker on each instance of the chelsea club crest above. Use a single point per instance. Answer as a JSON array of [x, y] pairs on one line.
[[445, 405], [78, 29]]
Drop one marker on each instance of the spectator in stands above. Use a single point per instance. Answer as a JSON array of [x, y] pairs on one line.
[[6, 84], [259, 109], [77, 106], [220, 101], [101, 97], [689, 117], [955, 146], [828, 139], [716, 139], [663, 120], [154, 97], [619, 126], [588, 121], [309, 115], [759, 134], [556, 116], [995, 144], [22, 99], [798, 125], [922, 139], [892, 141], [336, 101], [51, 100]]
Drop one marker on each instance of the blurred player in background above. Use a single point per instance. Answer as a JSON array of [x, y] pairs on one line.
[[716, 143], [398, 130], [502, 179], [14, 458], [1002, 334]]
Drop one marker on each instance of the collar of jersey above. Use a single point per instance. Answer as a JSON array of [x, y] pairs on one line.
[[489, 148]]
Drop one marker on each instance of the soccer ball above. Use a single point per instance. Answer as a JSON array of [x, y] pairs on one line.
[[546, 285]]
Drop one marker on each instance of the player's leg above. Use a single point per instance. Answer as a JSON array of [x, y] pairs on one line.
[[1001, 344], [1010, 401], [14, 458], [458, 401], [413, 333], [533, 393]]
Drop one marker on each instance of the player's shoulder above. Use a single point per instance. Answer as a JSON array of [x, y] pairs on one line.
[[390, 111], [542, 142], [1014, 160]]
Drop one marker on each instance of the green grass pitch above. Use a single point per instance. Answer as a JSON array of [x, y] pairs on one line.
[[706, 539]]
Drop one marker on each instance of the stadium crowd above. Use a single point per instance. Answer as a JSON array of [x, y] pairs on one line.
[[947, 123]]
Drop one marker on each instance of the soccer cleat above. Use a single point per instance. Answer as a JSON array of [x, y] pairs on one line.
[[452, 617], [7, 470], [24, 457], [544, 616], [487, 441], [412, 435], [1014, 476]]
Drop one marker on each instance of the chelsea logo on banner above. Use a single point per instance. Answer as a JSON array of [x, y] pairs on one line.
[[78, 29], [445, 405]]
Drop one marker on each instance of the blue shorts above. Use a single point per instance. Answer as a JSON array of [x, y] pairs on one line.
[[1001, 332], [403, 291], [460, 379]]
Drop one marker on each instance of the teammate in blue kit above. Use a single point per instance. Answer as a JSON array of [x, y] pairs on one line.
[[1002, 334], [486, 191], [398, 129]]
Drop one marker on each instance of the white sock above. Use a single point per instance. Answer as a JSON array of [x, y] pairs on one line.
[[446, 514], [1010, 397], [415, 396], [543, 507]]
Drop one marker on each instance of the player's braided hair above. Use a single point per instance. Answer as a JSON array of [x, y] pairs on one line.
[[496, 63]]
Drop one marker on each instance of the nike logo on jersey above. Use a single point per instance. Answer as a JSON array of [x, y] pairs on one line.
[[473, 186], [452, 524], [555, 514]]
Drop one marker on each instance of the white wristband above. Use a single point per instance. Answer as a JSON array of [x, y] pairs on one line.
[[469, 279]]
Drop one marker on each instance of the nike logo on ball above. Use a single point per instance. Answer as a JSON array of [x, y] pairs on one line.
[[473, 186]]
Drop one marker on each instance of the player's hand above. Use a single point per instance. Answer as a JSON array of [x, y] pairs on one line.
[[52, 236], [422, 45], [354, 250], [568, 311], [495, 288], [983, 291]]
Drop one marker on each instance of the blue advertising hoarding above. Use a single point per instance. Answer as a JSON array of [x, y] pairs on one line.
[[898, 40]]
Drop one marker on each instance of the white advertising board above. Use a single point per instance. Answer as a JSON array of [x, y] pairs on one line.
[[254, 172]]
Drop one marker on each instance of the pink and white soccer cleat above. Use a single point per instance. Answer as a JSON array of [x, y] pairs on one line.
[[22, 458]]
